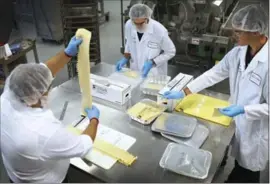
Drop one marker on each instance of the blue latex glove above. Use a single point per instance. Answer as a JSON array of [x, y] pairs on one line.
[[174, 94], [92, 113], [73, 45], [121, 63], [146, 68], [232, 111]]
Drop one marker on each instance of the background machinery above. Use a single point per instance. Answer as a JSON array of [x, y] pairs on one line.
[[200, 29]]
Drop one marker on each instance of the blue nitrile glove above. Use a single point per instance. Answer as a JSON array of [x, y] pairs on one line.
[[232, 110], [73, 45], [174, 94], [92, 113], [147, 67], [122, 62]]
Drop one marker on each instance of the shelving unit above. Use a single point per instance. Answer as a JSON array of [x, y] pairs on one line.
[[81, 14]]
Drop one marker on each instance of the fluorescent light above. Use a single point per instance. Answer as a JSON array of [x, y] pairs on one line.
[[217, 2]]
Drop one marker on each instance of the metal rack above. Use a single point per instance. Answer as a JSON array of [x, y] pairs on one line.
[[81, 14]]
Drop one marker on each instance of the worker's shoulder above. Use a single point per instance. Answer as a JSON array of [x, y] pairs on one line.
[[158, 27], [237, 50], [128, 23]]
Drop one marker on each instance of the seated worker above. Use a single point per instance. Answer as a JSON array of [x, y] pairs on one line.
[[148, 46], [246, 66], [35, 146]]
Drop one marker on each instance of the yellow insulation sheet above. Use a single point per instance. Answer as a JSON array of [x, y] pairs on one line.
[[204, 107]]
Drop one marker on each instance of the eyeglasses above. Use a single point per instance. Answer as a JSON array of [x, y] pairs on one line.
[[140, 23]]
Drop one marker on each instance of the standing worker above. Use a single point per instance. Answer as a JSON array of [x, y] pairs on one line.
[[247, 68], [148, 46], [35, 146]]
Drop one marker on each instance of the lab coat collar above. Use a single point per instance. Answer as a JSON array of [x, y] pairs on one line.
[[150, 28], [261, 56]]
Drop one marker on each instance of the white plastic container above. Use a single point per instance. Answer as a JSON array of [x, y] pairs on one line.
[[153, 84], [186, 160]]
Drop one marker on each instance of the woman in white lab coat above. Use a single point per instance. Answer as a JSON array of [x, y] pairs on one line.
[[35, 146], [148, 45], [247, 68]]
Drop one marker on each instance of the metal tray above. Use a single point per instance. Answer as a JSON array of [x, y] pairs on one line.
[[175, 124], [152, 103], [186, 160], [196, 140]]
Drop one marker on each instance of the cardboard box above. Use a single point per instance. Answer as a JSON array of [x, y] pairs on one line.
[[110, 90]]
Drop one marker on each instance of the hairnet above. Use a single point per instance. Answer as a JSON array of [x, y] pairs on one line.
[[251, 18], [140, 11], [28, 82]]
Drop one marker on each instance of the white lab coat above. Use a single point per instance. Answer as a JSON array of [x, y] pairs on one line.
[[35, 146], [248, 88], [155, 44]]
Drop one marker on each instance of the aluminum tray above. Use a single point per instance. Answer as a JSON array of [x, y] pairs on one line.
[[186, 160], [196, 140], [152, 103], [175, 124]]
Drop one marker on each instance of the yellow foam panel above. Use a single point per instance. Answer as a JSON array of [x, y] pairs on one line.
[[115, 152], [202, 106]]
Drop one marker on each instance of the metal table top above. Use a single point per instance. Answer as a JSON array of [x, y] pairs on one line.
[[149, 146]]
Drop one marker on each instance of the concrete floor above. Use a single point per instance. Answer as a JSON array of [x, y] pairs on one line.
[[110, 39]]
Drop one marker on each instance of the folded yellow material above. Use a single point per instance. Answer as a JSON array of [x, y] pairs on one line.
[[155, 86], [115, 152], [119, 154], [202, 106], [144, 111], [131, 74]]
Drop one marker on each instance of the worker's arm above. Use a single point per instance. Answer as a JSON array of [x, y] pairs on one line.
[[216, 74], [65, 145], [93, 116], [91, 130], [168, 48], [56, 63], [127, 40], [257, 111]]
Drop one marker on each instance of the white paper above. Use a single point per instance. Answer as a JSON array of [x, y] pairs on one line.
[[109, 135]]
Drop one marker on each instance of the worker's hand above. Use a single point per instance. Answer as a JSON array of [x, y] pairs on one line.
[[72, 48], [122, 62], [92, 113], [232, 111], [146, 68], [174, 94]]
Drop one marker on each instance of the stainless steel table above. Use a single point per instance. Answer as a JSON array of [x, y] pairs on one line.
[[149, 146]]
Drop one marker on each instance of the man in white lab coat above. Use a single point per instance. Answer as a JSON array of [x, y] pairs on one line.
[[35, 145], [247, 68], [148, 46]]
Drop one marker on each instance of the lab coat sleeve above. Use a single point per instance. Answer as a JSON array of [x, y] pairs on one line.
[[216, 74], [127, 41], [65, 145], [257, 111], [168, 50]]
